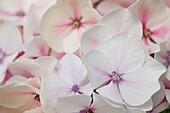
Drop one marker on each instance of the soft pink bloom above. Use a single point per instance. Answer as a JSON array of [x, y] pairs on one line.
[[118, 74], [154, 17], [116, 22], [38, 47], [63, 24], [70, 79], [29, 68], [28, 73], [20, 96], [10, 45], [16, 10], [84, 104]]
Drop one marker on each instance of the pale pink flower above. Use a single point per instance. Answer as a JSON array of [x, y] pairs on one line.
[[29, 68], [85, 104], [118, 21], [16, 10], [10, 45], [20, 96], [122, 72], [70, 79], [154, 17], [38, 47], [63, 24], [29, 72]]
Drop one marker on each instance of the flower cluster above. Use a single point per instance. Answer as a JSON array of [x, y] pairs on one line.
[[84, 56]]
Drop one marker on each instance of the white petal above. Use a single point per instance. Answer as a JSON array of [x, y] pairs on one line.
[[135, 111], [122, 20], [71, 69], [71, 43], [102, 106], [150, 12], [31, 25], [121, 49], [86, 89], [72, 104], [111, 92], [159, 96], [13, 95], [98, 67], [139, 84], [52, 88], [38, 47], [147, 106], [93, 38], [11, 42]]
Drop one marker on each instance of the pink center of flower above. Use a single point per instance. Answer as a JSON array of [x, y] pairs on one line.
[[75, 88], [2, 56], [20, 13], [147, 34], [86, 111], [77, 23], [116, 77]]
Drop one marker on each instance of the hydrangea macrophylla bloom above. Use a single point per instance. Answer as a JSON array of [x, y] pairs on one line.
[[29, 68], [10, 45], [69, 80], [119, 75], [85, 104], [32, 69], [38, 47], [153, 15], [106, 6], [115, 22], [63, 24], [20, 96], [16, 10], [33, 18]]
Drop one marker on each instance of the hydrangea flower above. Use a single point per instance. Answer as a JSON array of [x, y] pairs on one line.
[[119, 75], [20, 96], [16, 10], [154, 17], [63, 24], [118, 21], [70, 79], [10, 45], [85, 104]]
